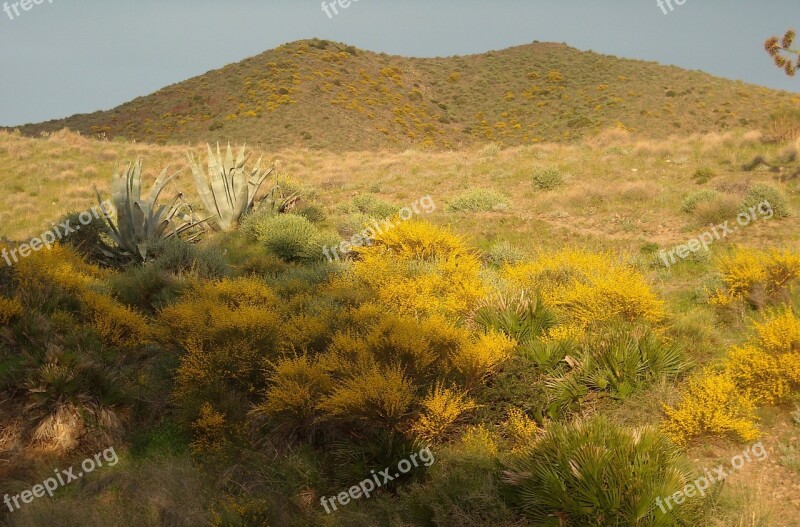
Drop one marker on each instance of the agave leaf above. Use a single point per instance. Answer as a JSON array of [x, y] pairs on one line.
[[226, 191], [140, 222]]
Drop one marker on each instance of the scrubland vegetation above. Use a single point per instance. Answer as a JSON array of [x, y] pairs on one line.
[[525, 331], [527, 335]]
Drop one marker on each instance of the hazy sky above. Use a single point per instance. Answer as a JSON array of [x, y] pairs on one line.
[[74, 56]]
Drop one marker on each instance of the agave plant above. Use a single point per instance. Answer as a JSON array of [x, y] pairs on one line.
[[141, 223], [227, 193]]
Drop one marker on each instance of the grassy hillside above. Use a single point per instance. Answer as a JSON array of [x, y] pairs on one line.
[[243, 379], [324, 95]]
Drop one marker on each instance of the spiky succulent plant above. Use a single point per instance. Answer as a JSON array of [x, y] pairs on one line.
[[141, 223], [227, 192]]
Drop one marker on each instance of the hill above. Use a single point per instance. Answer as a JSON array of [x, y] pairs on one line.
[[325, 95]]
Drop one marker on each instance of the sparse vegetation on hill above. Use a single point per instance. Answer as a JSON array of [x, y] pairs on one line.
[[325, 95]]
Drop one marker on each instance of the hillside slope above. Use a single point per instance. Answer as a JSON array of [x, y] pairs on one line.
[[320, 94]]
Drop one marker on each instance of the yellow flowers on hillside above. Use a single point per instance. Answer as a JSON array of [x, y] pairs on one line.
[[10, 308], [441, 409], [585, 287], [228, 334], [116, 324], [780, 334], [61, 269], [711, 404], [416, 268], [764, 371], [747, 272]]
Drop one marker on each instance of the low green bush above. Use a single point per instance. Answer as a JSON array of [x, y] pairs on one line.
[[478, 200], [547, 178], [290, 237], [580, 474], [374, 207], [762, 193], [504, 253], [691, 201]]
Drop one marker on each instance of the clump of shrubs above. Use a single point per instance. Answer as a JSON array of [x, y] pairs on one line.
[[547, 178], [570, 471], [504, 252], [754, 276], [691, 201], [702, 175], [762, 193], [290, 237], [478, 200], [373, 207], [723, 401]]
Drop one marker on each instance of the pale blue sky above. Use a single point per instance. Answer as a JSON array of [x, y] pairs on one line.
[[77, 56]]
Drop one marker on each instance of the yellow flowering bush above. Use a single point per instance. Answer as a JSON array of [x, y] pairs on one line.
[[209, 431], [520, 429], [584, 287], [296, 387], [228, 332], [478, 441], [442, 408], [758, 374], [766, 369], [781, 333], [10, 308], [479, 359], [60, 267], [745, 271], [712, 403], [240, 311], [416, 268], [375, 396], [117, 325]]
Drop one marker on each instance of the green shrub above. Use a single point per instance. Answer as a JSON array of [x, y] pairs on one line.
[[353, 223], [374, 207], [478, 200], [691, 201], [145, 287], [86, 240], [598, 473], [761, 193], [290, 237], [463, 488], [177, 256], [702, 175], [504, 253], [613, 360], [547, 178], [521, 316], [312, 213], [718, 209]]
